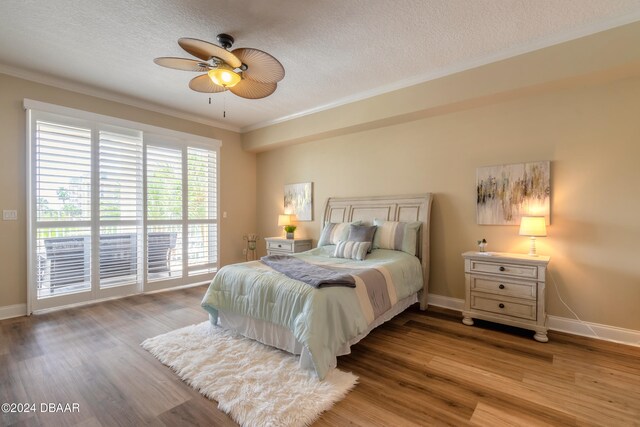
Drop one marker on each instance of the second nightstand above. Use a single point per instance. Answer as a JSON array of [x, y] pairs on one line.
[[282, 246], [506, 288]]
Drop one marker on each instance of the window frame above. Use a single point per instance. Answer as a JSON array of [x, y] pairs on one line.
[[151, 135]]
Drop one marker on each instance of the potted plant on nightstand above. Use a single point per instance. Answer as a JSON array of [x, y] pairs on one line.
[[289, 230]]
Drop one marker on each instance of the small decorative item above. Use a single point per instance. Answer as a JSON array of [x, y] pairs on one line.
[[289, 230], [482, 244], [298, 200], [250, 253]]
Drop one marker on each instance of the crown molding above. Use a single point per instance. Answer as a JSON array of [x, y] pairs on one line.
[[464, 66], [109, 96]]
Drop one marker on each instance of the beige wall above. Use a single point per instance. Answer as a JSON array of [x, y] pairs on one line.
[[237, 174], [589, 132]]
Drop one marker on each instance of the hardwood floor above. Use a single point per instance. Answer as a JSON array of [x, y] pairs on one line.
[[422, 368]]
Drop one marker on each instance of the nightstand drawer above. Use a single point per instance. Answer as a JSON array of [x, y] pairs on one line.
[[280, 246], [504, 287], [497, 268], [523, 309]]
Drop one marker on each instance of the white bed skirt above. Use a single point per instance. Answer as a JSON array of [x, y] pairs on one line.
[[281, 337]]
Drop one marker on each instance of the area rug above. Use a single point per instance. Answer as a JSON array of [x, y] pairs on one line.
[[255, 384]]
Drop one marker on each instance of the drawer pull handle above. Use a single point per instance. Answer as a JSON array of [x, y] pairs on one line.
[[279, 246], [502, 268], [501, 286], [501, 305]]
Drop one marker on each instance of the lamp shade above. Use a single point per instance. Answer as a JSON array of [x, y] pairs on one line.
[[284, 220], [224, 76], [533, 226]]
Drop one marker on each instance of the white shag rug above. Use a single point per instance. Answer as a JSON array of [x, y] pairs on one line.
[[255, 384]]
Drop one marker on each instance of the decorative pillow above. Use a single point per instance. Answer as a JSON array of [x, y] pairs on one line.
[[352, 250], [399, 236], [334, 232], [362, 233]]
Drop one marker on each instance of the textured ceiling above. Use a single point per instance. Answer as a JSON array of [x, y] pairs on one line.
[[333, 51]]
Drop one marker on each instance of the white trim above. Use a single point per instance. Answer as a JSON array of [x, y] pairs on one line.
[[30, 104], [64, 84], [446, 302], [561, 324], [31, 217], [457, 68], [594, 330], [15, 310]]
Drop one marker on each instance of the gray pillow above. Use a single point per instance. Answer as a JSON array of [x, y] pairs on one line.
[[399, 236], [333, 232], [351, 250], [362, 233]]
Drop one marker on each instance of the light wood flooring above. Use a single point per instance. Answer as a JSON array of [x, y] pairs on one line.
[[422, 368]]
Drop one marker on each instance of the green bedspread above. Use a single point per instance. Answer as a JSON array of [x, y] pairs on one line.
[[322, 320]]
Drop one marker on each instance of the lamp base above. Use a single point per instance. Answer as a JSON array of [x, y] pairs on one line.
[[532, 247]]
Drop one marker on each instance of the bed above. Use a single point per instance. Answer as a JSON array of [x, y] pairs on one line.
[[320, 324]]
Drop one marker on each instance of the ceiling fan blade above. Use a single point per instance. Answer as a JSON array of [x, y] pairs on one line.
[[205, 50], [204, 84], [261, 66], [182, 64], [252, 89]]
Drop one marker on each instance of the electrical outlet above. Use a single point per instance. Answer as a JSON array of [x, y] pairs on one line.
[[9, 215], [244, 251]]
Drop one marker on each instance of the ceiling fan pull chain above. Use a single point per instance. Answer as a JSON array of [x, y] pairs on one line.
[[224, 104]]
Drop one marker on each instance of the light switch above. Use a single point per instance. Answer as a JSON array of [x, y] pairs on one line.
[[9, 215], [224, 214]]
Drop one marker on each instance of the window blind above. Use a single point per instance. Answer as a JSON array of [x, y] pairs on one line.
[[63, 207], [203, 208], [116, 207], [120, 197]]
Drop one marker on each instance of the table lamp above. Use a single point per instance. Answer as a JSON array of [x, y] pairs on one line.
[[283, 221], [533, 226]]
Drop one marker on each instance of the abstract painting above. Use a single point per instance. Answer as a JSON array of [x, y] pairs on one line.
[[298, 200], [508, 192]]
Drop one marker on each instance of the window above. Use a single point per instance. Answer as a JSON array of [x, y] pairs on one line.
[[116, 207]]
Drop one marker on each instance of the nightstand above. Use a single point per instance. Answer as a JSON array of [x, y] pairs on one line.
[[506, 288], [282, 246]]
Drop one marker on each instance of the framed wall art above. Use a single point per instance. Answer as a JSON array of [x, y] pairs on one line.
[[505, 193], [298, 200]]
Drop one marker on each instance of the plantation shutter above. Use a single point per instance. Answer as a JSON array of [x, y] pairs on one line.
[[115, 207], [63, 208], [120, 198], [203, 209], [164, 212]]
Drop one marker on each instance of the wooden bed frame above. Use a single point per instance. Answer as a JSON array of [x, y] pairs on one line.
[[416, 207]]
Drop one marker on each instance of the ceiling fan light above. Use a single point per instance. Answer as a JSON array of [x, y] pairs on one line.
[[224, 76]]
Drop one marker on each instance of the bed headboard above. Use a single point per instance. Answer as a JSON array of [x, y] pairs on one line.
[[416, 207]]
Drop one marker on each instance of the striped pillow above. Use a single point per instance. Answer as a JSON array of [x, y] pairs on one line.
[[333, 232], [399, 236], [352, 250]]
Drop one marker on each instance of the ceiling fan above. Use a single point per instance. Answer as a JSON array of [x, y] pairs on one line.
[[246, 72]]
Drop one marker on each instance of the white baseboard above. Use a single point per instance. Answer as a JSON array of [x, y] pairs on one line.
[[594, 330], [16, 310], [446, 302], [561, 324]]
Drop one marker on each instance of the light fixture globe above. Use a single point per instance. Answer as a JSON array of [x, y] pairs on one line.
[[224, 76]]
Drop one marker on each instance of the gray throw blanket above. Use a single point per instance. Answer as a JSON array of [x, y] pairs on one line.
[[314, 275]]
